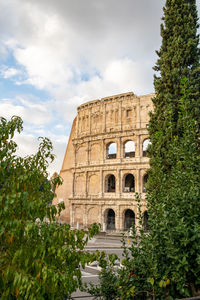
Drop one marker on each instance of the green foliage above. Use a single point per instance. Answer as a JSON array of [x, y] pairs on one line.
[[165, 263], [39, 259], [173, 185]]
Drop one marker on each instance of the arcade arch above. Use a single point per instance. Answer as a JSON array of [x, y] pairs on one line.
[[145, 146], [110, 219], [129, 219], [111, 150], [129, 183], [110, 183], [129, 149]]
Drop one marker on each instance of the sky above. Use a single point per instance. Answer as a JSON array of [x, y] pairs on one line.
[[56, 55]]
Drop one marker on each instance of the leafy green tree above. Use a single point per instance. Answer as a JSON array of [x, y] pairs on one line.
[[39, 259], [173, 186], [165, 263]]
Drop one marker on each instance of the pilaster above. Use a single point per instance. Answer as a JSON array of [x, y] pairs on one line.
[[138, 116], [101, 183]]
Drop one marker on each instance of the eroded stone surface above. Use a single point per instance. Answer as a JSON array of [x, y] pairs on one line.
[[99, 184]]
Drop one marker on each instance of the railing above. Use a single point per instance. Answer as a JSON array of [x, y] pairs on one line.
[[129, 154], [111, 156]]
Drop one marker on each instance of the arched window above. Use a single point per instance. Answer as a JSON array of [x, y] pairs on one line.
[[110, 184], [145, 146], [146, 224], [129, 219], [145, 178], [129, 149], [110, 220], [129, 183], [111, 151]]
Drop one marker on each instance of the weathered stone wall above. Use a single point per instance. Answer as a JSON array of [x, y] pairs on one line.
[[97, 180]]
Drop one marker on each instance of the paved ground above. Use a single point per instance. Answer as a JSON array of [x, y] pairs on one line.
[[90, 273]]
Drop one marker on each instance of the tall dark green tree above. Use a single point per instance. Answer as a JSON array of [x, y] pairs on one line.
[[174, 187], [165, 263]]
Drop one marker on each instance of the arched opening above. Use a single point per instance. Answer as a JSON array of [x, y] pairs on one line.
[[146, 223], [145, 178], [129, 183], [129, 149], [110, 220], [111, 151], [129, 219], [110, 184], [145, 146]]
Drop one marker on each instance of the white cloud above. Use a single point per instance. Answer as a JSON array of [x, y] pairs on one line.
[[118, 77], [9, 72], [28, 145], [76, 51], [60, 126], [34, 113], [58, 42]]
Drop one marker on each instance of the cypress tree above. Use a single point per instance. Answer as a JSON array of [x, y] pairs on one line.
[[173, 190], [165, 262]]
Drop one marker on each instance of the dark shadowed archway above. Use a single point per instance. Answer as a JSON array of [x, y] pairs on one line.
[[110, 184], [110, 220], [129, 183], [129, 219]]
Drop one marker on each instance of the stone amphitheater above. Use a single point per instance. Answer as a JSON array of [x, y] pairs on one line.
[[105, 163]]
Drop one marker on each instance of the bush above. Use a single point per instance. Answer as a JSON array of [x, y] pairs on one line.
[[39, 259]]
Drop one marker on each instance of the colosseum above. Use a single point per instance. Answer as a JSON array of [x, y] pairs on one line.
[[105, 163]]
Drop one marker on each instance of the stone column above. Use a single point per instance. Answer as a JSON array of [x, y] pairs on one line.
[[138, 118], [90, 129], [103, 152], [120, 149], [138, 146], [88, 153], [121, 220], [101, 184], [117, 219], [120, 114], [137, 187], [100, 217], [73, 185], [120, 183], [85, 216], [104, 117], [86, 183]]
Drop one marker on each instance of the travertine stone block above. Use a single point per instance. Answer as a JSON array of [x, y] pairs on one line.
[[101, 174]]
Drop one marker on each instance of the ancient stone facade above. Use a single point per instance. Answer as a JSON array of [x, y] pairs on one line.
[[105, 162]]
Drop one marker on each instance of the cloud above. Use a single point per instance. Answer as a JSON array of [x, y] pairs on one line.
[[58, 42], [7, 72], [28, 145], [34, 113], [75, 51], [118, 77]]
